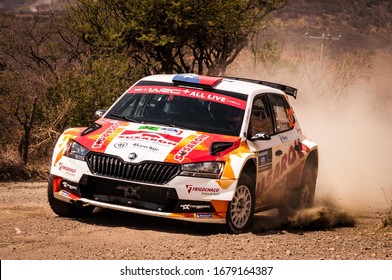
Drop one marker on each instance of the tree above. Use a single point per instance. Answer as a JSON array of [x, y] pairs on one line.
[[200, 36], [49, 80], [33, 52], [55, 73], [93, 84]]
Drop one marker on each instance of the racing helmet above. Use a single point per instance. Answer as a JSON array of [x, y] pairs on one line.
[[225, 112], [173, 109]]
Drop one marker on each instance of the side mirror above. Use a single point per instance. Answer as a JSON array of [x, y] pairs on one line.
[[260, 136], [99, 113]]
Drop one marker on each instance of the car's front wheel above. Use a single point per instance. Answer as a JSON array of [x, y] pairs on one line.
[[241, 208], [64, 209]]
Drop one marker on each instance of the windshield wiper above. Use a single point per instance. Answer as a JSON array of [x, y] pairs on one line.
[[175, 126], [124, 118]]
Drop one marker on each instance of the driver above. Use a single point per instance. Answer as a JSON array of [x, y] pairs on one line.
[[233, 116], [227, 116]]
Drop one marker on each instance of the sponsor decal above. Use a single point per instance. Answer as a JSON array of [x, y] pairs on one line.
[[101, 139], [156, 138], [170, 130], [148, 127], [189, 92], [204, 215], [69, 186], [203, 190], [264, 159], [283, 138], [184, 151], [120, 145], [167, 130], [197, 207], [66, 169], [65, 193], [69, 195], [158, 90], [145, 147], [286, 161], [247, 118]]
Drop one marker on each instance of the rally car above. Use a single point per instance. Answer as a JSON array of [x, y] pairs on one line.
[[188, 147]]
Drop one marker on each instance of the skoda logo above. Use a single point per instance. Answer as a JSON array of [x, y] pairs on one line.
[[132, 156]]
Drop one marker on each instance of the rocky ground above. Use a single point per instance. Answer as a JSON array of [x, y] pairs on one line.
[[31, 231]]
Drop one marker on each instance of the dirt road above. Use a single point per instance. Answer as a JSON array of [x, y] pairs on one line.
[[29, 230]]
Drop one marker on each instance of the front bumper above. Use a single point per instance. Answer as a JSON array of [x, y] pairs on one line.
[[190, 217], [159, 201], [177, 197]]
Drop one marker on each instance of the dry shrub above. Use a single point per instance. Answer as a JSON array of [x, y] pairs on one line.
[[386, 221], [13, 169]]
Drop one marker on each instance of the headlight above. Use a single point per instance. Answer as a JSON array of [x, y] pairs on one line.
[[203, 169], [76, 151]]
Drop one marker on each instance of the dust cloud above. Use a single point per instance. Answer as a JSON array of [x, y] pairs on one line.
[[325, 216], [354, 135]]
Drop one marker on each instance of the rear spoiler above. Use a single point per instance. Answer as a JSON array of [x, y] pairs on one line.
[[286, 89]]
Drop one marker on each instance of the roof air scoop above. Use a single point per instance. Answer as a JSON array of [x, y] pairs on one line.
[[197, 80]]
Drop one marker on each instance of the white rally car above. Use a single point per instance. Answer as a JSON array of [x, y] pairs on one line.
[[189, 147]]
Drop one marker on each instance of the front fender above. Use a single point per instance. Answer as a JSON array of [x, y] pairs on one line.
[[62, 143]]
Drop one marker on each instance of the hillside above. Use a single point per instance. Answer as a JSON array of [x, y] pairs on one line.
[[30, 6], [361, 23]]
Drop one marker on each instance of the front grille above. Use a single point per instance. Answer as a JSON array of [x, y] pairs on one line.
[[146, 172], [129, 194]]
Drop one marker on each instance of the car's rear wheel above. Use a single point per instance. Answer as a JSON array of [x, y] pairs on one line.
[[307, 187], [303, 196], [241, 208], [64, 209]]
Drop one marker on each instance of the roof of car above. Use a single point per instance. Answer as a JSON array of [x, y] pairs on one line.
[[244, 86]]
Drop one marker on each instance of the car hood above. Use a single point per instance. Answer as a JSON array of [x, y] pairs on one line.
[[136, 142]]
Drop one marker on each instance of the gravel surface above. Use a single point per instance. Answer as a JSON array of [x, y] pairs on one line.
[[31, 231]]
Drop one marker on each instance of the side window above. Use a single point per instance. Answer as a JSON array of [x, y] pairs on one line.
[[284, 118], [261, 117]]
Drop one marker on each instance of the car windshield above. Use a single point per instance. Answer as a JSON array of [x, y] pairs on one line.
[[177, 110]]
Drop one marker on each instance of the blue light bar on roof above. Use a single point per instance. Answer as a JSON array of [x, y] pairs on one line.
[[197, 80]]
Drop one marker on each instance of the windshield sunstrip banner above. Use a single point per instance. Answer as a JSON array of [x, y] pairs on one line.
[[192, 93]]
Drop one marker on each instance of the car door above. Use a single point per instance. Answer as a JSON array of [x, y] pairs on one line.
[[271, 125]]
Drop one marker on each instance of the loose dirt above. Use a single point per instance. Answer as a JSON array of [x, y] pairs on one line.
[[31, 231]]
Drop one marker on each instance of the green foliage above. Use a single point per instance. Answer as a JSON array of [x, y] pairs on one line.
[[268, 54], [74, 63], [202, 36], [76, 95]]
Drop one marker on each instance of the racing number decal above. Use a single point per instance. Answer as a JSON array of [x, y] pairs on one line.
[[290, 116]]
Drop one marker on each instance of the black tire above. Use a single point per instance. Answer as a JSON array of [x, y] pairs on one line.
[[64, 209], [301, 197], [307, 188], [239, 217]]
